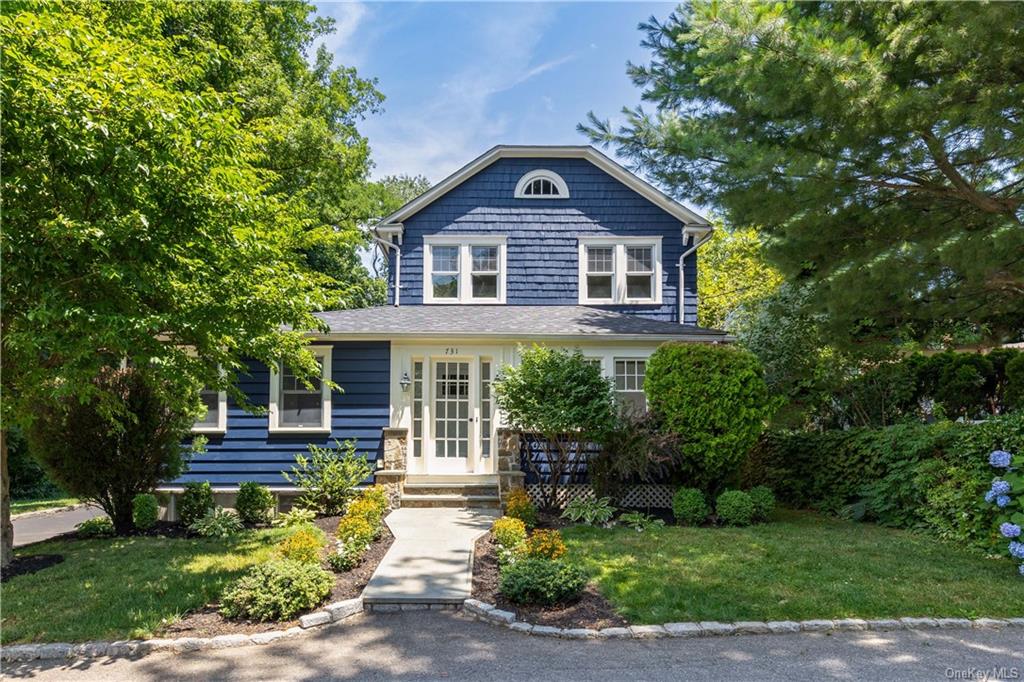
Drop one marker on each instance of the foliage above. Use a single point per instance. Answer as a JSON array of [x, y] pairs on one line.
[[356, 529], [540, 581], [105, 461], [96, 527], [302, 545], [145, 511], [196, 501], [509, 532], [734, 508], [328, 476], [640, 522], [763, 500], [296, 516], [544, 544], [871, 144], [715, 399], [637, 449], [254, 503], [689, 507], [596, 511], [1014, 391], [28, 479], [926, 476], [564, 399], [370, 505], [1007, 494], [276, 590], [346, 556], [733, 275], [519, 506], [217, 523]]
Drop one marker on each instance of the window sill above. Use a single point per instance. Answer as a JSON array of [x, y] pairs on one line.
[[298, 429], [455, 301], [209, 430]]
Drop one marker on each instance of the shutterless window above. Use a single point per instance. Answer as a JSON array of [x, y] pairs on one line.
[[417, 409], [445, 271], [299, 405], [541, 187], [485, 271], [485, 408], [629, 385], [639, 272], [600, 272], [211, 400]]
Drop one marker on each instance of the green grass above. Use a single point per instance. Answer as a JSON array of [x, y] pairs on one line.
[[23, 506], [115, 588], [801, 566]]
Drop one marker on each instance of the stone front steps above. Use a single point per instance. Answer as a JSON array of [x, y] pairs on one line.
[[455, 492], [455, 501]]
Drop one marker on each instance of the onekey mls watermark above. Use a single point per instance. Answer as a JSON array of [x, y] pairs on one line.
[[985, 674]]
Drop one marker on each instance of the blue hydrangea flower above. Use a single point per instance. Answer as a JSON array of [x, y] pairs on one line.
[[1000, 459], [1000, 487], [1002, 500], [990, 496], [1010, 530], [1022, 569], [1017, 550]]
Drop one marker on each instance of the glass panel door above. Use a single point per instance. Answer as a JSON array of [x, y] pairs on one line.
[[451, 416]]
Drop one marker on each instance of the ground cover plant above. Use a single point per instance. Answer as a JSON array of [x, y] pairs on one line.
[[802, 566]]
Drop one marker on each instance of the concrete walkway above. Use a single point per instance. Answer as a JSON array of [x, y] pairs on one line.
[[36, 527], [430, 561]]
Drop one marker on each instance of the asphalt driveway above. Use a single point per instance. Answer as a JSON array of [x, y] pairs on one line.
[[36, 527], [442, 645]]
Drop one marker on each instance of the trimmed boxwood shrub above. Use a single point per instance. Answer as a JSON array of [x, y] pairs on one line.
[[196, 502], [715, 398], [254, 503], [145, 511], [276, 590], [764, 502], [541, 581], [734, 508], [689, 507]]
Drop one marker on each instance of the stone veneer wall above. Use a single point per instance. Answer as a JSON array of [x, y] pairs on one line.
[[510, 473], [392, 476]]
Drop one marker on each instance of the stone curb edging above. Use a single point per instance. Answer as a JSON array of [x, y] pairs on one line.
[[489, 613], [332, 613]]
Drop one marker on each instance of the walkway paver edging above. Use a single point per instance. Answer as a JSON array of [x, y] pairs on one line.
[[332, 613], [490, 613]]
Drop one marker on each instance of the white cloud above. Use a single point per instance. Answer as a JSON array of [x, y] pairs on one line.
[[348, 16]]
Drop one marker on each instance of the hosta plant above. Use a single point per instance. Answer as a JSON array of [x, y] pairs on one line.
[[591, 512], [640, 522], [1006, 495]]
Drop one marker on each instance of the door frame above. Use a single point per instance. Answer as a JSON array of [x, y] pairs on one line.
[[449, 465]]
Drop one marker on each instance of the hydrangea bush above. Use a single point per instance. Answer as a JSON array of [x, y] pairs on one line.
[[1005, 494]]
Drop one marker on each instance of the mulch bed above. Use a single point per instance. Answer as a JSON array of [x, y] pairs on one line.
[[23, 565], [207, 622], [590, 611]]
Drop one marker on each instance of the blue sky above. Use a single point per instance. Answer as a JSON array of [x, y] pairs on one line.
[[462, 77]]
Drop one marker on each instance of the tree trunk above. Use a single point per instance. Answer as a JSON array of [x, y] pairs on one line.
[[7, 531]]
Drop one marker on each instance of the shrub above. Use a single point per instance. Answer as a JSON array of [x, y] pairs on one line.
[[254, 503], [715, 399], [689, 507], [564, 399], [302, 545], [764, 502], [328, 476], [734, 508], [356, 529], [145, 511], [545, 544], [105, 459], [1014, 392], [540, 581], [296, 516], [28, 480], [520, 507], [1007, 495], [636, 449], [195, 502], [367, 508], [346, 556], [98, 527], [276, 590], [218, 523], [509, 532], [592, 512], [376, 494], [640, 522]]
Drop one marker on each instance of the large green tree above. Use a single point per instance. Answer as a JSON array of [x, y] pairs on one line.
[[168, 167], [733, 275], [878, 146]]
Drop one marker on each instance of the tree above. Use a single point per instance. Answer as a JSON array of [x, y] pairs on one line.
[[877, 146], [561, 402], [161, 163], [733, 274]]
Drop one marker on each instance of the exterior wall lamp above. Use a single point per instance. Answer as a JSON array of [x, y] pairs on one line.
[[405, 382]]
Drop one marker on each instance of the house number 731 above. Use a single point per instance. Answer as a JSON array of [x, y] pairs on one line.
[[451, 351]]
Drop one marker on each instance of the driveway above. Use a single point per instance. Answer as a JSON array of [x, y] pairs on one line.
[[36, 527], [427, 645]]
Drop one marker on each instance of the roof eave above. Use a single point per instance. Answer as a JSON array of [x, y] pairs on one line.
[[521, 336]]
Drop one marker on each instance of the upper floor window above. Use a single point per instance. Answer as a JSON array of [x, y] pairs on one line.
[[464, 269], [620, 270], [541, 184], [294, 406]]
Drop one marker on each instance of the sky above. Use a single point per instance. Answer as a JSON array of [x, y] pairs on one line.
[[460, 78]]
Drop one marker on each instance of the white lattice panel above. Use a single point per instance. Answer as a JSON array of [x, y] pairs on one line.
[[641, 495]]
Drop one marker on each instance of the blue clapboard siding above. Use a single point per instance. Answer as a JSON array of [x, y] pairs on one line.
[[543, 246], [248, 452]]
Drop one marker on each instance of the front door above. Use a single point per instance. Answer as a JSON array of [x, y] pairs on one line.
[[452, 418]]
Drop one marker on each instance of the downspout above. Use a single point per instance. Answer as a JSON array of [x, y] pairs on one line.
[[682, 274], [398, 264]]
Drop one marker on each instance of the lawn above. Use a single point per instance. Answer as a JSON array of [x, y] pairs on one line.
[[115, 588], [23, 506], [801, 566]]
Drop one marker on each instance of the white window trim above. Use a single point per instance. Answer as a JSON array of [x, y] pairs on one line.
[[323, 352], [615, 377], [555, 178], [465, 242], [222, 417], [619, 270]]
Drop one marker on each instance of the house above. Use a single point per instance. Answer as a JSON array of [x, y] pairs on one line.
[[555, 245]]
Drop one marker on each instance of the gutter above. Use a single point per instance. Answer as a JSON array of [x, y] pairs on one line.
[[398, 265], [682, 275]]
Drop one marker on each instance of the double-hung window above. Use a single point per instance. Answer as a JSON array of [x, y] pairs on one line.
[[464, 269], [215, 419], [296, 406], [629, 385], [625, 270]]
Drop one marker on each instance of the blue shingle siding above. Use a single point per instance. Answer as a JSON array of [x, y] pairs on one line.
[[247, 452], [543, 247]]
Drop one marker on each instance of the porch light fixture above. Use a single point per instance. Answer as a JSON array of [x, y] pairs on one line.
[[405, 381]]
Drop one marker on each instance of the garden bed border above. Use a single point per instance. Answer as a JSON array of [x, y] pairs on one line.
[[489, 613]]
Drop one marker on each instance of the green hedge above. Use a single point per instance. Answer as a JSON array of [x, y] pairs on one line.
[[926, 476]]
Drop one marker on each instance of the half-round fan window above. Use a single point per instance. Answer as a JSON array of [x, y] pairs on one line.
[[541, 184]]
